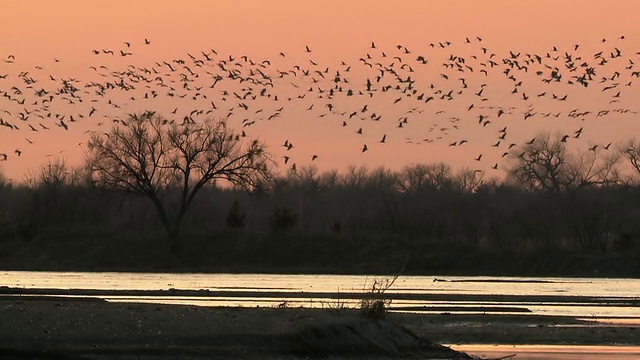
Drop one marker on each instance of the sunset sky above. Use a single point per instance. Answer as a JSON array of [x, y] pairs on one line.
[[46, 43]]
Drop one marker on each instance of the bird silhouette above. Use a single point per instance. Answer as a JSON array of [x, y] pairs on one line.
[[250, 88]]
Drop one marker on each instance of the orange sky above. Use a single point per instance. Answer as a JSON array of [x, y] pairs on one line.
[[37, 32]]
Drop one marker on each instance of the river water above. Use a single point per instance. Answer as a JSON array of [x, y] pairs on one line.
[[608, 300]]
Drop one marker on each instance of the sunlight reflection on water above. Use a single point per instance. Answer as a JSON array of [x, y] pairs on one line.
[[291, 289], [606, 301], [551, 352]]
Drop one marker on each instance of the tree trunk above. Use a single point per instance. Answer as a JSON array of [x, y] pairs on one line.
[[172, 231], [176, 239]]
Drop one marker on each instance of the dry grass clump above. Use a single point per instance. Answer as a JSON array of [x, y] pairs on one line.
[[374, 303]]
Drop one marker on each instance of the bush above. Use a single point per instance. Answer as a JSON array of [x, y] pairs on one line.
[[283, 219], [235, 218], [374, 303]]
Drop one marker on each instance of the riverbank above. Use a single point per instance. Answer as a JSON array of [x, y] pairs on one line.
[[64, 328], [494, 319], [67, 250], [74, 323]]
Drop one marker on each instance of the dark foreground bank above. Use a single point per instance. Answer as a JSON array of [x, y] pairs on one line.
[[227, 252], [43, 328]]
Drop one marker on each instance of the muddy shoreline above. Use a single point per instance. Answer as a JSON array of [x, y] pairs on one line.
[[35, 324], [42, 328]]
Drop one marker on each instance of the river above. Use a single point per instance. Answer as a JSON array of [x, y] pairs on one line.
[[602, 299]]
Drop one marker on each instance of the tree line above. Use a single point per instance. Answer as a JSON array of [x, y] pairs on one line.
[[174, 183]]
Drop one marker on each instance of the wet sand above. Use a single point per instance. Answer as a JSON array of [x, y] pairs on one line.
[[518, 329], [36, 325]]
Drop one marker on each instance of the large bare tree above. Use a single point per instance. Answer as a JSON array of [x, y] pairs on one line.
[[631, 150], [546, 164], [169, 163]]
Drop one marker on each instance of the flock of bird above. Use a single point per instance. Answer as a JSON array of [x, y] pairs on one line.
[[442, 93]]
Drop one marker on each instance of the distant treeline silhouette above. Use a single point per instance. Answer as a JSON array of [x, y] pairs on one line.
[[555, 213]]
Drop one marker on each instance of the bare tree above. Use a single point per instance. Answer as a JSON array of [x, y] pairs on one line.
[[539, 165], [545, 164], [152, 157], [53, 174], [468, 180], [354, 177], [595, 167], [306, 177], [631, 150], [329, 179], [420, 177]]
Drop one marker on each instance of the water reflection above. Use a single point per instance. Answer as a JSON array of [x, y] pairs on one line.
[[601, 302], [592, 299], [550, 352]]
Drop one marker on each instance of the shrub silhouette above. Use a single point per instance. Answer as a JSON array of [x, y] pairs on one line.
[[283, 219], [235, 218], [374, 303]]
